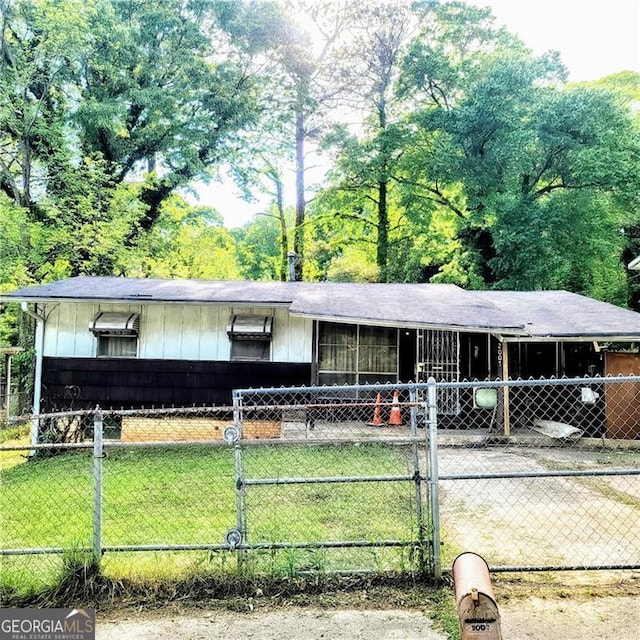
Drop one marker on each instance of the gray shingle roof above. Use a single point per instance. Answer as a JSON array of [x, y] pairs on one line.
[[437, 305], [564, 314], [136, 289], [515, 313]]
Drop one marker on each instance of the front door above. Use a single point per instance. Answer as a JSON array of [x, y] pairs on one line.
[[439, 358]]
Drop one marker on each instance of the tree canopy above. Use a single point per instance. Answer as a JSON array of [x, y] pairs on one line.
[[452, 152]]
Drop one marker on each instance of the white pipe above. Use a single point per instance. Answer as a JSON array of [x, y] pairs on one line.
[[37, 383]]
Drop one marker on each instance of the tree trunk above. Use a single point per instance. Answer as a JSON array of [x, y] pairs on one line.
[[298, 238], [382, 247], [25, 150], [284, 236]]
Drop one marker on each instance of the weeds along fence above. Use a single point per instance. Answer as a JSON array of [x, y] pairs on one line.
[[533, 475]]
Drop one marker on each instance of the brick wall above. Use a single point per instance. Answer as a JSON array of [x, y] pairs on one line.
[[181, 429]]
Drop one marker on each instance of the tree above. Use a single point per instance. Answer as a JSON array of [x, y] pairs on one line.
[[512, 157], [161, 93], [260, 246], [368, 166], [365, 185], [626, 86], [91, 223], [185, 242], [307, 86], [40, 44], [109, 107]]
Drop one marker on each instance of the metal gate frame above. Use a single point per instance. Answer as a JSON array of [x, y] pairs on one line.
[[427, 540]]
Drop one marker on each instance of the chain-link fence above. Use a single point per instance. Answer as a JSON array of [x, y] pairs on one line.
[[285, 485], [542, 474], [530, 474], [15, 400], [13, 404]]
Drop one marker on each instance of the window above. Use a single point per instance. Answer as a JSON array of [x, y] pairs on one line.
[[117, 346], [349, 354], [116, 334], [250, 337], [250, 350]]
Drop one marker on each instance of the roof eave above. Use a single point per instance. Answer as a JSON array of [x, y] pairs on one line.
[[409, 324], [139, 300], [587, 337]]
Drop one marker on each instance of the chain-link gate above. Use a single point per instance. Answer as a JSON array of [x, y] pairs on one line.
[[543, 474], [540, 475], [339, 472]]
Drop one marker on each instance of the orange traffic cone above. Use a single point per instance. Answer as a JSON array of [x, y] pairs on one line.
[[377, 418], [395, 417]]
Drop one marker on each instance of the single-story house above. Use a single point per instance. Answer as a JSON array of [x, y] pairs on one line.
[[131, 343]]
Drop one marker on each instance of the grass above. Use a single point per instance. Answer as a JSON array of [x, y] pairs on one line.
[[13, 435], [188, 496]]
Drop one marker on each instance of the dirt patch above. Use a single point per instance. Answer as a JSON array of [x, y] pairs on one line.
[[533, 607], [570, 605], [286, 624], [366, 611], [604, 618]]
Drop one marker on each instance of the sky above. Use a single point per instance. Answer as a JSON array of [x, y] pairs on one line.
[[595, 39]]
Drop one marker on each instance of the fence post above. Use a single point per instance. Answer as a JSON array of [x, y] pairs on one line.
[[7, 390], [241, 520], [98, 455], [432, 422], [241, 508], [413, 398], [237, 409]]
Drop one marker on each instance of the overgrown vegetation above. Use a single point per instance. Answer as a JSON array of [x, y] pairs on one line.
[[16, 435], [79, 584]]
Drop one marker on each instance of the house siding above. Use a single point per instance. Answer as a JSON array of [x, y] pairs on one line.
[[175, 332], [183, 357], [127, 383]]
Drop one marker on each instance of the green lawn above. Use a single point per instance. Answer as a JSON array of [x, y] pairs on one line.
[[13, 436], [188, 496]]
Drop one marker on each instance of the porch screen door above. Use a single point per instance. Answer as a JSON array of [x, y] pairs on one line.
[[439, 357]]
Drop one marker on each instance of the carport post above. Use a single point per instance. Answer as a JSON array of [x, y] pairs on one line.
[[432, 413], [98, 455]]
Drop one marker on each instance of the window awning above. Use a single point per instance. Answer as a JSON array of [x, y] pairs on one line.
[[250, 327], [115, 323]]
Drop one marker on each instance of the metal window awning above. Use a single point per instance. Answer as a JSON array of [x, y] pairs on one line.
[[115, 323], [250, 327]]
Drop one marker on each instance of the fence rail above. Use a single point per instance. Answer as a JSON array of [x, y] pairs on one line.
[[531, 474]]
